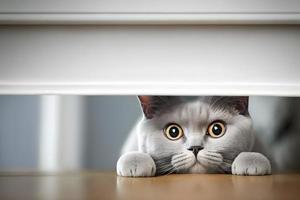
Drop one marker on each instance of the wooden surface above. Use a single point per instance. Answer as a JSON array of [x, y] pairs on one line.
[[186, 187]]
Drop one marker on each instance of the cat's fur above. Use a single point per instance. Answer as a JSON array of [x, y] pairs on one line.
[[148, 152]]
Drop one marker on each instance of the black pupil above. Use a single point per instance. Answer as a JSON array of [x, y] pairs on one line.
[[174, 132], [217, 129]]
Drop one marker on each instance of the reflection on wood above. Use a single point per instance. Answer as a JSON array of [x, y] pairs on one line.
[[109, 186]]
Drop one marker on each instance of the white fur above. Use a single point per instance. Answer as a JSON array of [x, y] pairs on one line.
[[251, 163], [136, 164]]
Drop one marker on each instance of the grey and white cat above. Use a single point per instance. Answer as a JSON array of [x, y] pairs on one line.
[[193, 135]]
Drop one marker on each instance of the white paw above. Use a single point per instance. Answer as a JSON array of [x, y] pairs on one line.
[[251, 163], [135, 164]]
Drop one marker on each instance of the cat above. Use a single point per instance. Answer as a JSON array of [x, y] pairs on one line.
[[193, 135]]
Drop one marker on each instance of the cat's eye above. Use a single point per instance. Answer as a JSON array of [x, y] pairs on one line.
[[216, 129], [173, 131]]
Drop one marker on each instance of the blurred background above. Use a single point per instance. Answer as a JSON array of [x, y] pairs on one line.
[[54, 133], [64, 132]]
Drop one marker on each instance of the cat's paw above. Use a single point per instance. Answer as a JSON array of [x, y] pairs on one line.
[[251, 163], [136, 164]]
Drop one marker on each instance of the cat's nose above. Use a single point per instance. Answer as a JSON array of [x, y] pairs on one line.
[[195, 149]]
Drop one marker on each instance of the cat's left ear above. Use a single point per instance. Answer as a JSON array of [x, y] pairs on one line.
[[241, 104], [155, 105], [237, 103]]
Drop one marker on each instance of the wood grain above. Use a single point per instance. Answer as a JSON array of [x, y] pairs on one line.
[[96, 185]]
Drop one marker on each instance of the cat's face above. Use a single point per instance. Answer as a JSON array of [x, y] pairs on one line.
[[200, 136]]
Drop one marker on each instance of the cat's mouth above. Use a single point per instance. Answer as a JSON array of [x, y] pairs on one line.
[[198, 161], [177, 163], [197, 168]]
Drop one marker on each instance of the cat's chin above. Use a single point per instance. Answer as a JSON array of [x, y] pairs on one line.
[[197, 168]]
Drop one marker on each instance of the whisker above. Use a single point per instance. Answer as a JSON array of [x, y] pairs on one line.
[[164, 163], [228, 164], [171, 171], [164, 167], [180, 159], [210, 158], [181, 155], [177, 167], [161, 162], [168, 170], [228, 160]]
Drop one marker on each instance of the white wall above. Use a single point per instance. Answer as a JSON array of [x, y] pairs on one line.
[[129, 60]]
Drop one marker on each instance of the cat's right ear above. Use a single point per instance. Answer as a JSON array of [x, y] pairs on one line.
[[145, 102], [152, 105]]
